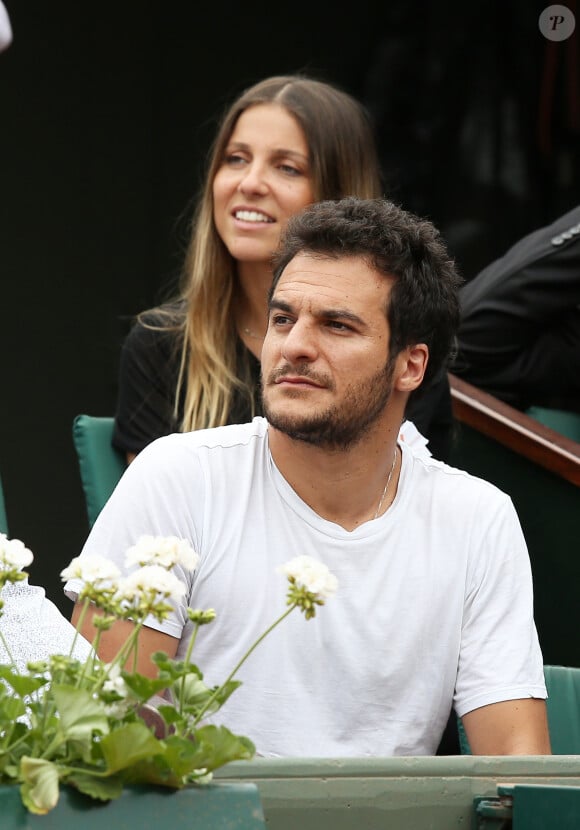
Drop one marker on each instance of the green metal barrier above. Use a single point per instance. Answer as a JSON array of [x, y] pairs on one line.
[[530, 807], [428, 793]]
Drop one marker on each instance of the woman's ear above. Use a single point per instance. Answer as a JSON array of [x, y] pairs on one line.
[[411, 365]]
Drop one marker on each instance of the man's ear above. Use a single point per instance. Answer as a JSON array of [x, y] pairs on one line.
[[411, 365]]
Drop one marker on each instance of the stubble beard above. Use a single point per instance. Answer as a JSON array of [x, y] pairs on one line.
[[341, 426]]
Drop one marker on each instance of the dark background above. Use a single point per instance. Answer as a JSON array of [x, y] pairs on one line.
[[106, 114]]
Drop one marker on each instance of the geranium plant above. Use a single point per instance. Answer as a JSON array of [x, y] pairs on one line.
[[65, 721]]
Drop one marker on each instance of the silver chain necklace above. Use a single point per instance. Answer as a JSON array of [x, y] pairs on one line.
[[384, 493]]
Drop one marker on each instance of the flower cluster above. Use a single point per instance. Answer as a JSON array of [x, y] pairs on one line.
[[89, 724], [14, 556]]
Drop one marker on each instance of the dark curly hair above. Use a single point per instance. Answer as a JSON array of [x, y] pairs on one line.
[[424, 303]]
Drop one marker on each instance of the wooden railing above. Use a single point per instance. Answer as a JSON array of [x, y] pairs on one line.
[[515, 430]]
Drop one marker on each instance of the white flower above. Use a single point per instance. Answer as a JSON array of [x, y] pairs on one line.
[[116, 685], [312, 575], [148, 579], [166, 551], [14, 554], [91, 569]]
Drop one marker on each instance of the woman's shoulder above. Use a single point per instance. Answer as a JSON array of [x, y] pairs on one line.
[[165, 317], [159, 328]]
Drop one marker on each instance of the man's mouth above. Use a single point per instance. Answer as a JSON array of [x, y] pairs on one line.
[[297, 380]]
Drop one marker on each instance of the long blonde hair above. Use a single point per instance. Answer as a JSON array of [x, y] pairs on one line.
[[343, 162]]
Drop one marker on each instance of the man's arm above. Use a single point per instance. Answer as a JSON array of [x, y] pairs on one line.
[[149, 640], [512, 727]]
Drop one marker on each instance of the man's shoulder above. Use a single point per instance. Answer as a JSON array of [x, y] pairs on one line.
[[226, 437], [440, 474], [545, 243]]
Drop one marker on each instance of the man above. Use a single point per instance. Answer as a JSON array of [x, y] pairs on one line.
[[434, 604], [519, 336]]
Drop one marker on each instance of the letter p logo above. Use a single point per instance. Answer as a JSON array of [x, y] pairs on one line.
[[556, 22]]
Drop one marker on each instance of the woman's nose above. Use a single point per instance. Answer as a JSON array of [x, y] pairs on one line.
[[254, 180]]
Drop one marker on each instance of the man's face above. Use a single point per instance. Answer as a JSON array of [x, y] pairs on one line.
[[326, 373]]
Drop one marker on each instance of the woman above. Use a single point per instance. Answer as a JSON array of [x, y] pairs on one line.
[[194, 363]]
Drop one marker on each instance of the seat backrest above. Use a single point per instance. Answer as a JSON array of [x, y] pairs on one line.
[[540, 469], [3, 519], [563, 685], [563, 705], [100, 464], [560, 420]]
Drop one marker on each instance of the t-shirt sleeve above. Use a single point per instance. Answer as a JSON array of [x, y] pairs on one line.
[[162, 493], [500, 656], [148, 372]]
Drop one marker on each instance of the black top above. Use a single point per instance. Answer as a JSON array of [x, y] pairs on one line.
[[519, 336], [148, 378]]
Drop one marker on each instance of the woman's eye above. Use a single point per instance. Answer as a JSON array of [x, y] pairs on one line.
[[234, 160], [290, 170]]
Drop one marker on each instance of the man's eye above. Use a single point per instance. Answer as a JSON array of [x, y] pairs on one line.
[[280, 320]]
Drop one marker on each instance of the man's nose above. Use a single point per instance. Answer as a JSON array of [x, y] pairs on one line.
[[300, 343]]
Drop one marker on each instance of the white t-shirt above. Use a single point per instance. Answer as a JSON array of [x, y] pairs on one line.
[[434, 604]]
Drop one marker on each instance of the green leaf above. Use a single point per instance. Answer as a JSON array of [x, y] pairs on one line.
[[129, 744], [216, 746], [39, 788], [103, 789], [225, 691], [186, 760], [12, 708], [143, 687], [80, 713], [172, 769], [195, 692], [180, 755], [22, 684], [174, 669], [170, 714]]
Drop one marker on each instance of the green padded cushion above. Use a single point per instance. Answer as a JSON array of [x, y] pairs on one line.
[[101, 465], [561, 420], [563, 684]]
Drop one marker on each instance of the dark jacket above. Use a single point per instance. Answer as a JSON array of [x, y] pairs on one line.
[[519, 336]]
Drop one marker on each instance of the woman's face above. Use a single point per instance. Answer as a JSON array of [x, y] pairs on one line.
[[264, 179]]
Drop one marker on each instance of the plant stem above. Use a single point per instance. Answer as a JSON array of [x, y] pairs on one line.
[[187, 661]]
